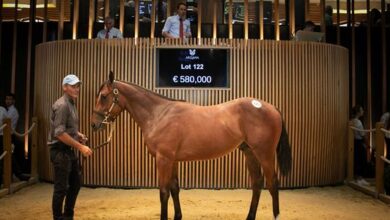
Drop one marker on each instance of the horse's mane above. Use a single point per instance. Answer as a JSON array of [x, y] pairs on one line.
[[150, 91]]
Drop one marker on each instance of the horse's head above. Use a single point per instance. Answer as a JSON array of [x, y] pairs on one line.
[[107, 104]]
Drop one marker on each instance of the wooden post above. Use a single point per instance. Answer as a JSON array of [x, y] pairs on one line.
[[261, 21], [384, 55], [153, 20], [60, 31], [199, 34], [122, 15], [246, 20], [276, 16], [34, 150], [350, 152], [230, 19], [76, 10], [292, 18], [91, 18], [136, 21], [379, 163], [7, 172]]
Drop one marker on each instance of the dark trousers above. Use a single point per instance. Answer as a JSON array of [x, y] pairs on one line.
[[67, 181], [387, 148], [360, 158]]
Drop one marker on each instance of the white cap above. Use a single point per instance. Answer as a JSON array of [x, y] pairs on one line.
[[70, 80]]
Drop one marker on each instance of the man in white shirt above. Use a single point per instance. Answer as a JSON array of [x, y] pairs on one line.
[[12, 112], [178, 26], [110, 31]]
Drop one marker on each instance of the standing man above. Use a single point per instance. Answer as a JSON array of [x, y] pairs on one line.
[[110, 31], [178, 26], [3, 114], [64, 138], [13, 114]]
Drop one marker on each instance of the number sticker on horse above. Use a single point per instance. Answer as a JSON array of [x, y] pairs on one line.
[[256, 103]]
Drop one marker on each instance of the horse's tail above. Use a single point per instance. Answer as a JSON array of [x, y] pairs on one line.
[[284, 152]]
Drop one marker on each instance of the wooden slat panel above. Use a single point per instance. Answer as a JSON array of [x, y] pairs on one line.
[[307, 81]]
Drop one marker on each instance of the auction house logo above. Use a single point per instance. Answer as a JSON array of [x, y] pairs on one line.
[[192, 55]]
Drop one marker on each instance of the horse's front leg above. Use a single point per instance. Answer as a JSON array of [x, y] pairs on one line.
[[164, 168], [175, 192]]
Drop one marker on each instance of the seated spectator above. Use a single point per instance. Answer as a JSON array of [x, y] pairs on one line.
[[309, 26], [110, 31], [308, 34], [360, 158]]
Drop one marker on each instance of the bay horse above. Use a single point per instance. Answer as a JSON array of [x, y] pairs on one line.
[[179, 131]]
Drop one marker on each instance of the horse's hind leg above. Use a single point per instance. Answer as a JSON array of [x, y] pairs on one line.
[[257, 179], [175, 192], [268, 165]]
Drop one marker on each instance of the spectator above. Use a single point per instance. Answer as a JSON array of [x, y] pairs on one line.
[[110, 31], [13, 114], [3, 114], [309, 26], [375, 17], [308, 34], [328, 15], [386, 120], [360, 159], [178, 26]]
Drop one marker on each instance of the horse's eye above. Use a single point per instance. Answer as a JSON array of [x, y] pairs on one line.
[[103, 97]]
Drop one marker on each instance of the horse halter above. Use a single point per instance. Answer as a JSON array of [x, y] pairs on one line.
[[108, 117]]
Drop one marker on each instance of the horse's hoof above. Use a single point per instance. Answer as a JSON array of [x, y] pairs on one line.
[[177, 217], [251, 217], [277, 217]]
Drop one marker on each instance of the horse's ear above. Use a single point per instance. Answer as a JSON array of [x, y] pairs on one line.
[[111, 77]]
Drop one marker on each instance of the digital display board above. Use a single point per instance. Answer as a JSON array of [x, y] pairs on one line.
[[192, 67]]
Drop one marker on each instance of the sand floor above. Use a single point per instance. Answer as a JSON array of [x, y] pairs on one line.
[[332, 203]]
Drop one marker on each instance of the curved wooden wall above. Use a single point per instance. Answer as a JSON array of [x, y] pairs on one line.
[[307, 81]]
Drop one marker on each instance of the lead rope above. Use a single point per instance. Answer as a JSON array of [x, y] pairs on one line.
[[97, 147]]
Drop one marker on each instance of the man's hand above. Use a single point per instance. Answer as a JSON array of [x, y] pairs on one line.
[[85, 150], [68, 140]]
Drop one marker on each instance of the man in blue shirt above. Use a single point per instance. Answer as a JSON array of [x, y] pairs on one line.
[[178, 26]]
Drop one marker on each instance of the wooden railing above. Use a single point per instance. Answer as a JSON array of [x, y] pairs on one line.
[[6, 155], [380, 159]]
